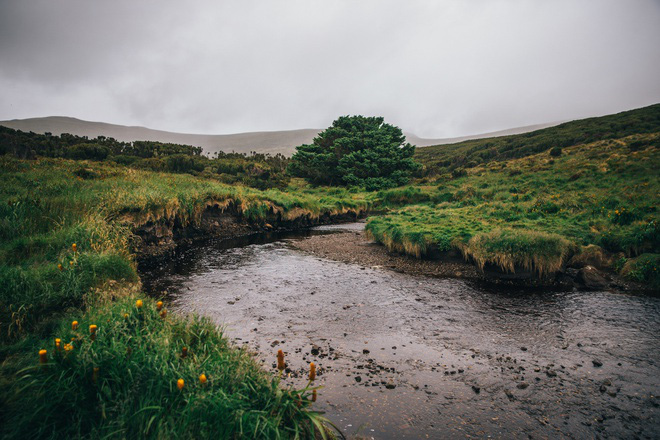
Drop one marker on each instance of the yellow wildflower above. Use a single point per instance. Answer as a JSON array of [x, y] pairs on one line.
[[179, 384], [312, 372], [60, 267], [280, 360], [43, 356], [159, 305], [92, 332], [138, 303], [74, 247], [74, 325], [202, 378]]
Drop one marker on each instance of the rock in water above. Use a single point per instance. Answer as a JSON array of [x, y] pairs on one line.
[[591, 278]]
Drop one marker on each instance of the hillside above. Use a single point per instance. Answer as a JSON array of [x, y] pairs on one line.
[[440, 159], [271, 142], [593, 203]]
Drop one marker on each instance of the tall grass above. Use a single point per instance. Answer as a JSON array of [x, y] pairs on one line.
[[508, 249], [124, 383], [45, 282]]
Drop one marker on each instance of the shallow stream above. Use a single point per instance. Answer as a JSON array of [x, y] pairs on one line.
[[404, 356]]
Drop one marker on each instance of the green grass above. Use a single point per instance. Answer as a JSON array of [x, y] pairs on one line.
[[529, 213], [642, 269], [49, 204], [134, 392], [534, 212]]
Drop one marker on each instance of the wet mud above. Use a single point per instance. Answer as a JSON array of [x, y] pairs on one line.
[[412, 356]]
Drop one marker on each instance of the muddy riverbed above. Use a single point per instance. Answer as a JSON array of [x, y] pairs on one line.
[[412, 356]]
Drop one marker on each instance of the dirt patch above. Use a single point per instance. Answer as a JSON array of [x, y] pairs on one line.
[[355, 247]]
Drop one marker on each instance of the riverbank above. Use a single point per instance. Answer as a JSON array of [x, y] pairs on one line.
[[85, 352], [541, 216], [356, 247]]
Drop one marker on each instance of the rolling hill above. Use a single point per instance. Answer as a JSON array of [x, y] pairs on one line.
[[272, 142], [444, 158]]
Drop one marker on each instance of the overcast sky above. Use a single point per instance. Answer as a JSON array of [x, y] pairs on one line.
[[435, 68]]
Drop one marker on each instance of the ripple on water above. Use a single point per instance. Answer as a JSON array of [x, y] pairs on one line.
[[434, 357]]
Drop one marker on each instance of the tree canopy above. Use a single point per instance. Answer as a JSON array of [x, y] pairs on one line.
[[356, 151]]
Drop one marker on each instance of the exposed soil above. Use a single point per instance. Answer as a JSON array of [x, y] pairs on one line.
[[352, 246], [160, 239]]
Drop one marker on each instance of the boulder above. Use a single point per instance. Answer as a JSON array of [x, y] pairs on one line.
[[591, 255], [591, 278]]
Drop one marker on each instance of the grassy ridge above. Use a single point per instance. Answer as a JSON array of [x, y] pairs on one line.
[[45, 207], [468, 154], [534, 212]]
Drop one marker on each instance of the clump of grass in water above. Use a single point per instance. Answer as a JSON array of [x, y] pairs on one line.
[[534, 251]]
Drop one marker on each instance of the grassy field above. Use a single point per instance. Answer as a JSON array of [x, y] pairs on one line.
[[46, 282], [67, 247], [536, 212]]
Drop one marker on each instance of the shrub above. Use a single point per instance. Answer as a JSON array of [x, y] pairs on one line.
[[180, 163], [458, 172], [152, 164], [555, 152], [123, 159], [87, 152]]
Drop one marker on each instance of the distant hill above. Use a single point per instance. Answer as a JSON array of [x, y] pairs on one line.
[[447, 157], [272, 142]]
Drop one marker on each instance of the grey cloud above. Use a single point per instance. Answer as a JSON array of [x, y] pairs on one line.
[[437, 69]]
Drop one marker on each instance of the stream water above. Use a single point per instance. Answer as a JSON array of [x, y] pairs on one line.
[[404, 356]]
